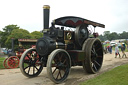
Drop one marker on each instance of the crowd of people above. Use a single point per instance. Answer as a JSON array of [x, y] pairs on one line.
[[108, 49], [117, 53]]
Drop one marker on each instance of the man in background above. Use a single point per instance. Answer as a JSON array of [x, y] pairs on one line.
[[123, 50], [117, 51]]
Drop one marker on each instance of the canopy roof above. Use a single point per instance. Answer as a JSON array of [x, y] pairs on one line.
[[72, 21]]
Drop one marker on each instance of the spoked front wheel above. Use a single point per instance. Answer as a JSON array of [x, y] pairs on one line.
[[30, 64], [58, 65]]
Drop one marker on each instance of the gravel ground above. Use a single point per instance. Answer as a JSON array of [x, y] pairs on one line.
[[77, 74]]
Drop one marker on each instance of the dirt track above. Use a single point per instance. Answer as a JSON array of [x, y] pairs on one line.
[[77, 74]]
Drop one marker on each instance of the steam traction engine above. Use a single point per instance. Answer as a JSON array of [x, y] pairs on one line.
[[59, 49]]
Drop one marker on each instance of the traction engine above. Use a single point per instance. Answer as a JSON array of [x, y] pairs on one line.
[[60, 48]]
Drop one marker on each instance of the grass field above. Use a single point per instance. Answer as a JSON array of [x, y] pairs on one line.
[[1, 62], [116, 76]]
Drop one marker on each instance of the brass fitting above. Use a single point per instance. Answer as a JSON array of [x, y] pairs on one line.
[[46, 7]]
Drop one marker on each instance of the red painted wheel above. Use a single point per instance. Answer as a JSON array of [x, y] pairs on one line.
[[5, 63], [13, 62]]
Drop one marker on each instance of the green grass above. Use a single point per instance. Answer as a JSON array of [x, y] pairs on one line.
[[126, 50], [116, 76], [1, 62]]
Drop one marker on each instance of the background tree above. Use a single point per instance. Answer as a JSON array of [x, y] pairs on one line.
[[113, 36], [124, 35], [13, 31], [17, 34], [8, 29], [6, 32], [106, 34], [36, 35], [101, 37]]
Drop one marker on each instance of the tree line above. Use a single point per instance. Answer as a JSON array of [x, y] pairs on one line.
[[14, 31], [107, 35]]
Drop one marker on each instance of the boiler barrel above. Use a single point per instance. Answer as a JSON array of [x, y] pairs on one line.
[[46, 45]]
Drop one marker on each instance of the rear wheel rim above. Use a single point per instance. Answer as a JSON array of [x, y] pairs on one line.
[[96, 59], [94, 55]]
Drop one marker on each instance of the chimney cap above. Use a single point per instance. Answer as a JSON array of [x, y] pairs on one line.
[[46, 7]]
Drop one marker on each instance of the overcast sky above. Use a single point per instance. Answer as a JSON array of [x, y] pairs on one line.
[[28, 14]]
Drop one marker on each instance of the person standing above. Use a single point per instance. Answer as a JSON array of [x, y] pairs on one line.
[[123, 51], [124, 45], [117, 51], [110, 49]]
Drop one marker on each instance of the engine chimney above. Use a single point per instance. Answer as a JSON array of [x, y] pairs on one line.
[[46, 9]]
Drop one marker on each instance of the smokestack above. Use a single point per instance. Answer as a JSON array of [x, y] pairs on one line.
[[46, 9]]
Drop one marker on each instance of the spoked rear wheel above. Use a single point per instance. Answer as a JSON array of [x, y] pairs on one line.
[[94, 55], [58, 65], [13, 62], [30, 64]]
